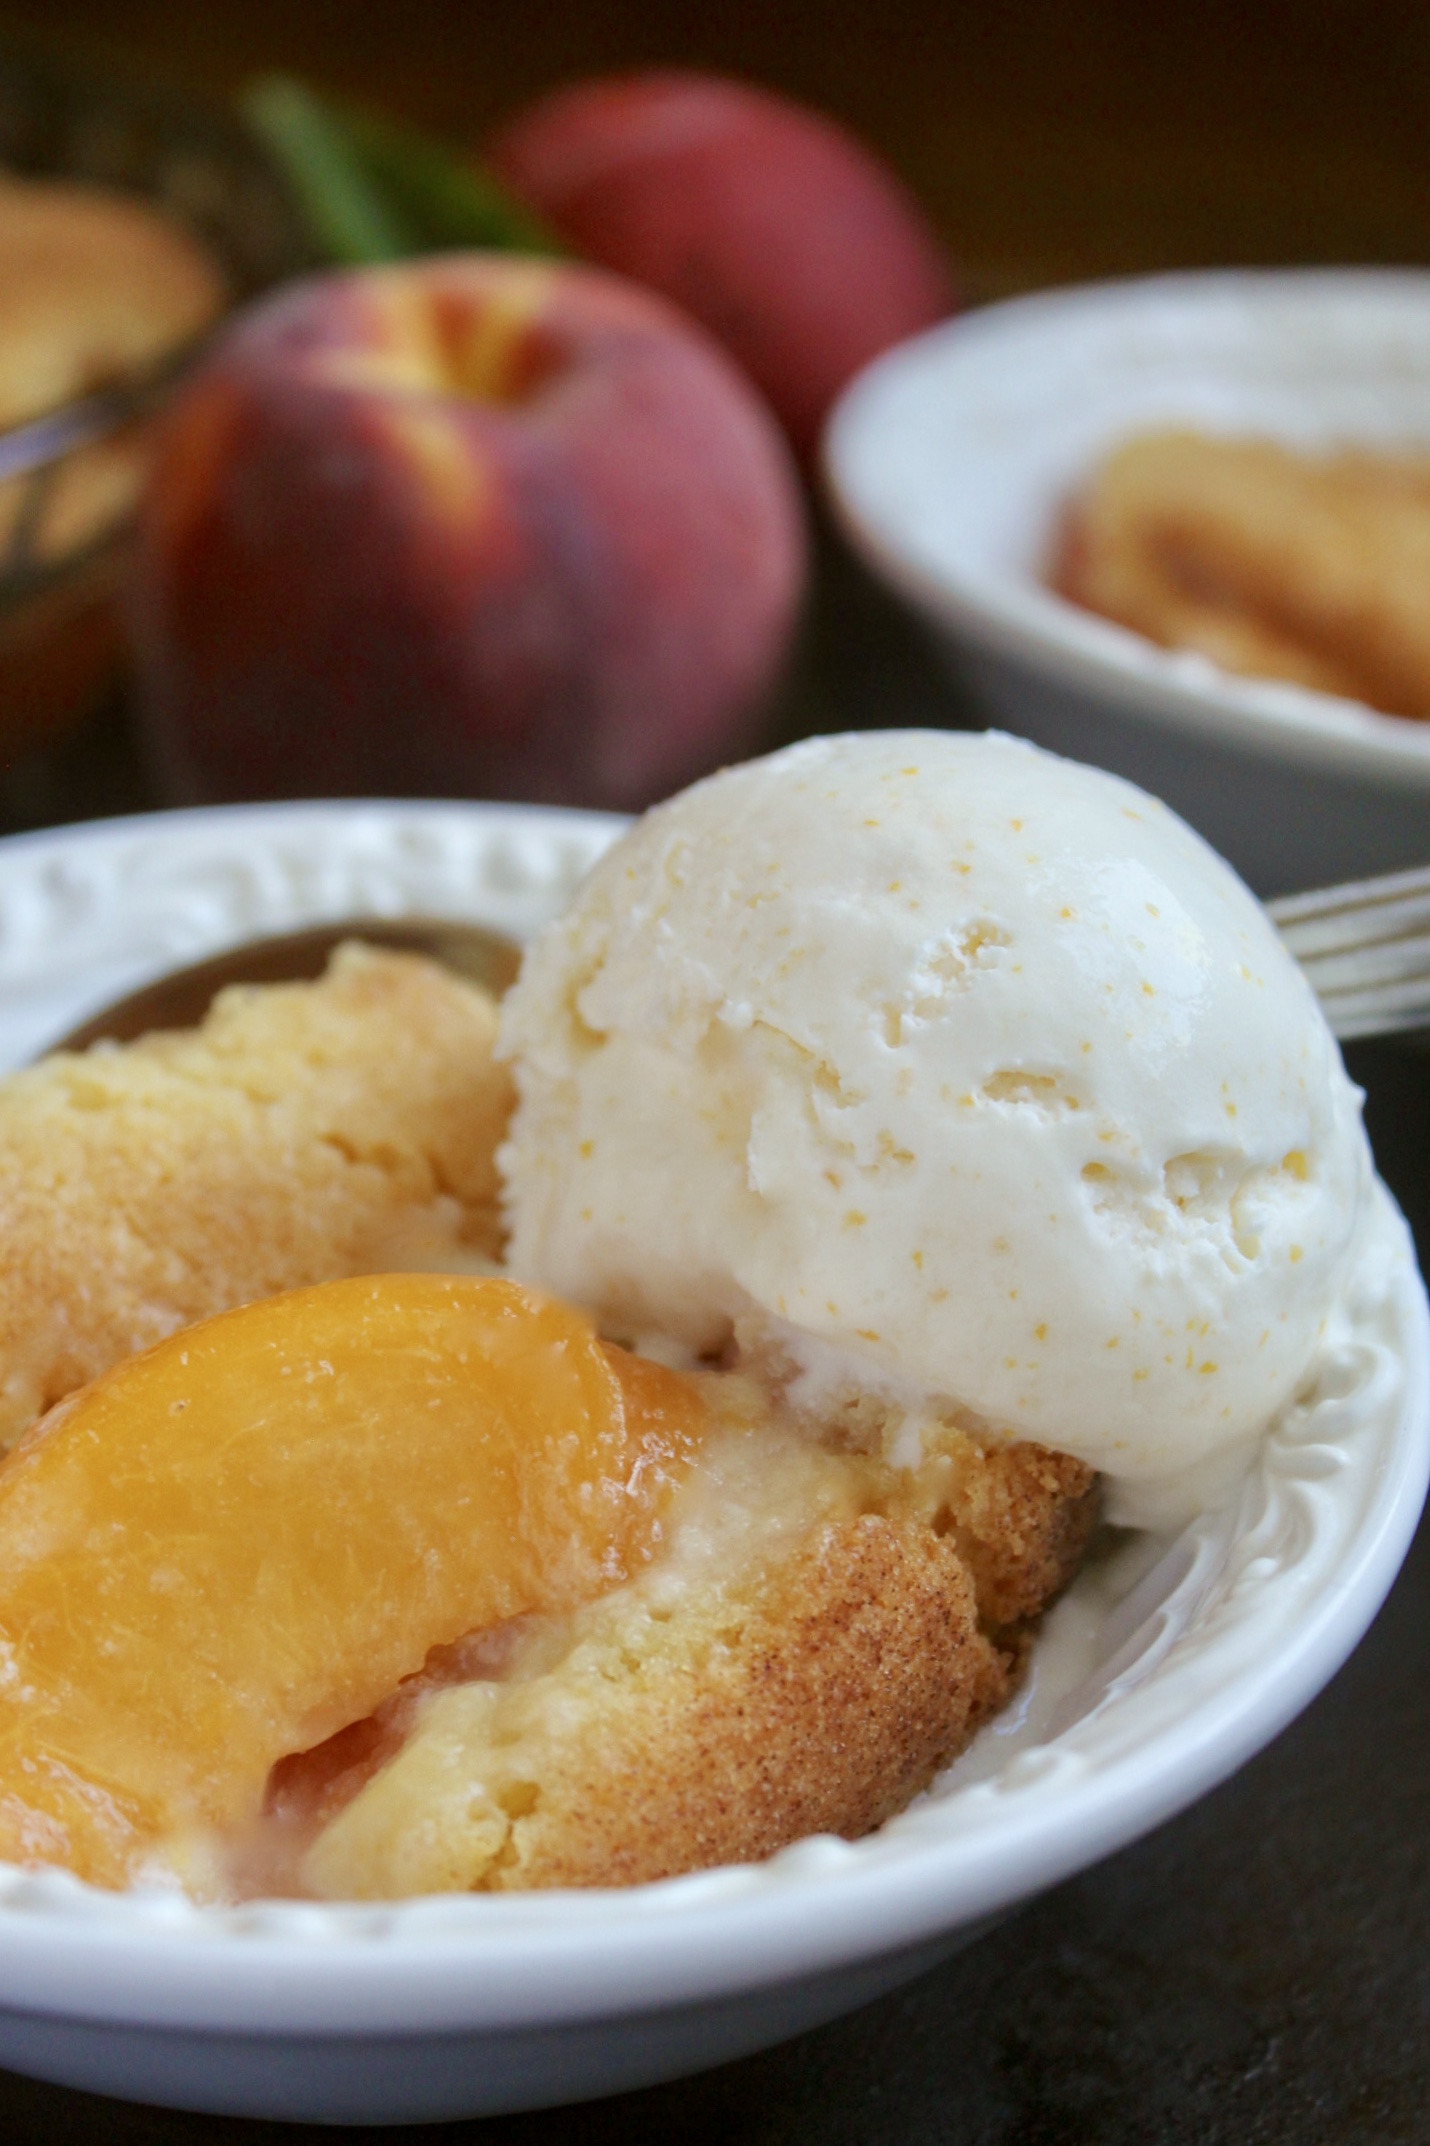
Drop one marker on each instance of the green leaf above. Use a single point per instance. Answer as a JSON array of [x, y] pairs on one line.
[[447, 200], [372, 189], [351, 218]]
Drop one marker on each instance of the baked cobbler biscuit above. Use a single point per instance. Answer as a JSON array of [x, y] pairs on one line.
[[821, 1634], [305, 1132]]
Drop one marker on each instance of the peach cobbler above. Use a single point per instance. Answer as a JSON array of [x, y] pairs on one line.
[[412, 1582], [629, 1434], [1270, 561]]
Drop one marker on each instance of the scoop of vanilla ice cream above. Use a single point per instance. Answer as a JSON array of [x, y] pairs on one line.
[[972, 1074]]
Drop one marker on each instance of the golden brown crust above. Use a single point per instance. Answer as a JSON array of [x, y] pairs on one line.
[[305, 1132], [1020, 1517], [858, 1668], [808, 1681]]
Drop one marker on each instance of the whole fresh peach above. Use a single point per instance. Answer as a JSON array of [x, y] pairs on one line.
[[474, 525], [772, 225]]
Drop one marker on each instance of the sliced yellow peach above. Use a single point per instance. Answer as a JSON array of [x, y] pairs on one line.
[[229, 1547]]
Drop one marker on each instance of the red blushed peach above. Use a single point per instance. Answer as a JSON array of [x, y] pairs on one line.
[[769, 223], [473, 526]]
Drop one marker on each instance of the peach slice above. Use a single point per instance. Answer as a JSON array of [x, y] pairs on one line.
[[229, 1547]]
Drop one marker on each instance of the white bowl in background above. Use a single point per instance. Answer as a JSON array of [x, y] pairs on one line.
[[1162, 1671], [950, 459]]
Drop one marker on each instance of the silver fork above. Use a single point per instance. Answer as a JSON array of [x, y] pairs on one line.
[[1366, 949]]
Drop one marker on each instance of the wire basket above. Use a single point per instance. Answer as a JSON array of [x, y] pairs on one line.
[[70, 478]]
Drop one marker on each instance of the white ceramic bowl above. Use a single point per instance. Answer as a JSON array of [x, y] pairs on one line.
[[950, 458], [1163, 1670]]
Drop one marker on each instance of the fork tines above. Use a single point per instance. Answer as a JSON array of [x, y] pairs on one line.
[[1366, 949]]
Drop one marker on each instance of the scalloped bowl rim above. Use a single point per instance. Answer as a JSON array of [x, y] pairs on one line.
[[442, 1965], [876, 451]]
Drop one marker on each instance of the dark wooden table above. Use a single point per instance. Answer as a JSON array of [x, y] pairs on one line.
[[1256, 1973]]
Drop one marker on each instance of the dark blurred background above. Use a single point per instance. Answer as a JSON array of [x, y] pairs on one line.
[[1049, 141]]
